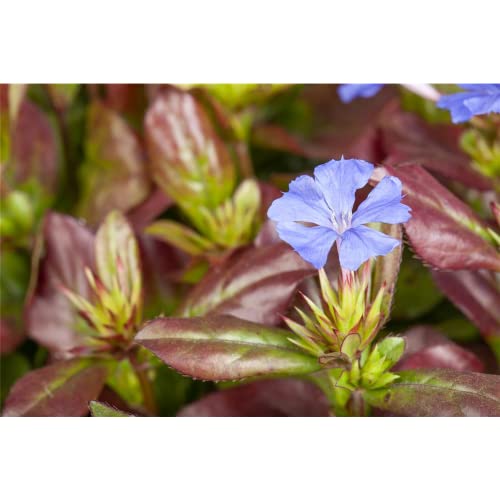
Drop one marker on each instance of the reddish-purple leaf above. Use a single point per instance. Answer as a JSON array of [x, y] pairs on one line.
[[267, 234], [62, 389], [188, 160], [477, 295], [338, 129], [224, 348], [443, 230], [426, 348], [159, 263], [440, 393], [408, 138], [114, 175], [35, 147], [128, 99], [256, 284], [68, 248], [268, 193], [264, 398], [10, 336], [147, 211]]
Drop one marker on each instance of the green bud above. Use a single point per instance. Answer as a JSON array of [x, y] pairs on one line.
[[115, 311]]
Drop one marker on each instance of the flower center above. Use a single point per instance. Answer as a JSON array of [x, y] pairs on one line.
[[341, 222]]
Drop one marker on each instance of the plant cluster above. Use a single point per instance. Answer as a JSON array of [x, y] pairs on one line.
[[250, 250]]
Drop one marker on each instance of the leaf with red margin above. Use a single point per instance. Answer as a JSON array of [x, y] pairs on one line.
[[264, 398], [443, 230], [408, 138], [477, 295], [426, 348], [114, 174], [188, 160], [338, 129], [224, 348], [62, 389], [439, 393], [255, 284], [68, 248]]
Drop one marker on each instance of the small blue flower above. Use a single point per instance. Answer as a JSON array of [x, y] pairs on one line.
[[317, 212], [350, 91], [478, 99]]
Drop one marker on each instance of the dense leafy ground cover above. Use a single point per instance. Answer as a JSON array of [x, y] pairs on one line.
[[141, 274]]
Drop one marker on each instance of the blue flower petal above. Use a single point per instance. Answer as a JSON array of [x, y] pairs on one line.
[[304, 202], [350, 91], [360, 243], [383, 204], [455, 104], [483, 105], [478, 99], [481, 87], [313, 244], [339, 181]]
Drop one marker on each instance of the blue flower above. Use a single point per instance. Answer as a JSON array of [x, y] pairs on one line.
[[317, 212], [478, 99], [350, 91]]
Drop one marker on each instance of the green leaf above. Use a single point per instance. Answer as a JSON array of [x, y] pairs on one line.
[[237, 96], [416, 293], [180, 236], [12, 367], [224, 348], [124, 381], [62, 389], [439, 393], [98, 409], [392, 348], [173, 391], [351, 344], [63, 94]]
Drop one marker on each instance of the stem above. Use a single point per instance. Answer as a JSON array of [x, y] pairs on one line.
[[145, 383], [357, 406], [326, 383]]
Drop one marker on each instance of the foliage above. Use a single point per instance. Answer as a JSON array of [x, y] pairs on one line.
[[141, 276]]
